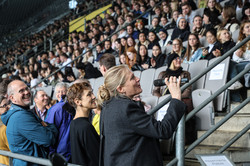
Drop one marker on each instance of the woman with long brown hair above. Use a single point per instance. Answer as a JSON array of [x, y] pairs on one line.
[[194, 50]]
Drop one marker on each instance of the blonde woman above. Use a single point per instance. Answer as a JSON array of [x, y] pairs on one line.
[[129, 135]]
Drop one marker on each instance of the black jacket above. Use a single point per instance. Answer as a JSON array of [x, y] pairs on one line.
[[210, 55], [129, 137]]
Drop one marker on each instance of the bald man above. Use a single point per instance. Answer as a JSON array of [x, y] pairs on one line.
[[26, 133]]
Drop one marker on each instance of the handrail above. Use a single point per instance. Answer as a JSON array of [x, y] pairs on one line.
[[109, 37], [185, 86], [211, 130], [235, 138], [197, 109], [36, 160]]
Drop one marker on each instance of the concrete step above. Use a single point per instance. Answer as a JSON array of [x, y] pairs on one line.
[[237, 155], [235, 123], [244, 110], [220, 138]]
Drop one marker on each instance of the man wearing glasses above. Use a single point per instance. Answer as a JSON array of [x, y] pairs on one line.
[[27, 134], [4, 106]]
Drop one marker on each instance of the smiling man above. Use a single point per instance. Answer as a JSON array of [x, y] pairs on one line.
[[26, 133], [41, 100]]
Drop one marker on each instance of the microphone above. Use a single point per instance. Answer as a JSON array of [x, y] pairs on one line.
[[161, 82]]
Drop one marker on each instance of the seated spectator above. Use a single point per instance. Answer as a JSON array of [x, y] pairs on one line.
[[225, 38], [178, 48], [211, 8], [108, 48], [246, 12], [83, 138], [153, 39], [194, 50], [142, 41], [181, 30], [158, 59], [229, 19], [241, 57], [139, 25], [165, 38], [167, 13], [88, 56], [143, 60], [155, 25], [210, 21], [187, 12], [131, 32], [131, 57], [214, 48], [198, 28], [175, 69], [172, 24], [130, 42], [122, 59]]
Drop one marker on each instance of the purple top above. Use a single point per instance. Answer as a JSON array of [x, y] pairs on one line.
[[61, 118]]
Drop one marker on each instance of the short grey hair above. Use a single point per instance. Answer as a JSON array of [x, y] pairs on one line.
[[60, 85]]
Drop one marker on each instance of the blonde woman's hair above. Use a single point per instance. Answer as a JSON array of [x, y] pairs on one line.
[[115, 77], [219, 33]]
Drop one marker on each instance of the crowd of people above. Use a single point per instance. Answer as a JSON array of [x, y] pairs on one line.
[[68, 126]]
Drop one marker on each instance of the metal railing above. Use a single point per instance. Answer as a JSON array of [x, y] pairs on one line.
[[180, 153], [180, 156]]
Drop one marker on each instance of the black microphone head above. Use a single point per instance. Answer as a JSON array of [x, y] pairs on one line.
[[159, 82]]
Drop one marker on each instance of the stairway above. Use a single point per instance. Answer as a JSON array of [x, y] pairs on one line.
[[239, 152]]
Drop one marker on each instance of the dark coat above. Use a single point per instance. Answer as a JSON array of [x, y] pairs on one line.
[[129, 137], [210, 55]]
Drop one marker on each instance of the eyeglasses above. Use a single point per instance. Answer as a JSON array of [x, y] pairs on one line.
[[23, 90], [178, 58], [5, 105]]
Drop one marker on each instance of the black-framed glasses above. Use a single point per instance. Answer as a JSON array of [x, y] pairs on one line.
[[5, 105]]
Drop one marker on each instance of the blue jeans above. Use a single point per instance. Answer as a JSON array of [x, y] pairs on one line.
[[234, 69]]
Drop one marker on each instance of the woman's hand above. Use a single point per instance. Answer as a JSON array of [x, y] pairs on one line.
[[145, 66], [174, 87], [217, 53], [204, 52], [153, 63]]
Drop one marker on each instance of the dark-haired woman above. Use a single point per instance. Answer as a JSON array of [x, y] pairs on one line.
[[158, 59], [142, 59], [84, 140]]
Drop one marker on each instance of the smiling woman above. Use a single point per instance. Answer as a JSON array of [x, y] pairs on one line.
[[128, 135], [84, 140]]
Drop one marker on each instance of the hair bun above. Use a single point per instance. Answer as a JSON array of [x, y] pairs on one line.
[[103, 94]]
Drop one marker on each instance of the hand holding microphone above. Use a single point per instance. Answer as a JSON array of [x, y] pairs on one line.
[[174, 87], [161, 82]]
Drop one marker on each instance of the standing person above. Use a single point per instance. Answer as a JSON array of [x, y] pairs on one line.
[[41, 100], [83, 138], [129, 135], [61, 118], [4, 106], [27, 134], [106, 61]]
